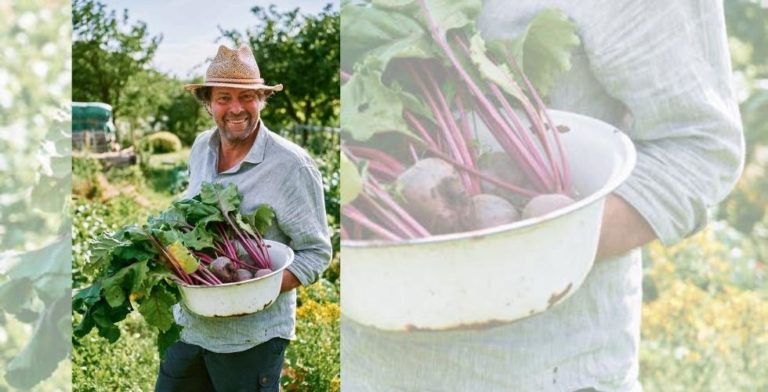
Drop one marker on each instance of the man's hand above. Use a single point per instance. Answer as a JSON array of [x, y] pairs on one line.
[[290, 281], [623, 229]]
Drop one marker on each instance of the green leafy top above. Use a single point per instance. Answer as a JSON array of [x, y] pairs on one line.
[[543, 48], [380, 33], [137, 264]]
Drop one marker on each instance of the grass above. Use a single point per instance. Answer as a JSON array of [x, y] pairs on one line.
[[130, 364]]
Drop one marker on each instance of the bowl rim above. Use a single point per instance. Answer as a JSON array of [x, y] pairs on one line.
[[270, 243], [617, 179]]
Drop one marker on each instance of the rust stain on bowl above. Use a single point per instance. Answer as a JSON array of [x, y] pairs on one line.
[[460, 327], [553, 299], [556, 297], [243, 314], [470, 326], [230, 315]]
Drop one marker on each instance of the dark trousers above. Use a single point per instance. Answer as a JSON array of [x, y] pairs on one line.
[[190, 368]]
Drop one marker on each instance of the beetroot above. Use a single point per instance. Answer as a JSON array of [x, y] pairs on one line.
[[500, 166], [544, 204], [242, 275], [492, 210], [262, 272], [433, 192], [223, 268]]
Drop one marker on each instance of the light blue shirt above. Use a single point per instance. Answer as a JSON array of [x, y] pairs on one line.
[[660, 71], [279, 173]]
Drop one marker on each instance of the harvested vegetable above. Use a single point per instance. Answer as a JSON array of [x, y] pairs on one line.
[[426, 80], [492, 210], [544, 204], [199, 241], [432, 191]]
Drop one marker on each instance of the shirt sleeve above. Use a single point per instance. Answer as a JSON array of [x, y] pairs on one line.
[[196, 159], [668, 63], [302, 218]]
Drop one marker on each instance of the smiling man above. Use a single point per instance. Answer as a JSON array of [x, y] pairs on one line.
[[246, 352]]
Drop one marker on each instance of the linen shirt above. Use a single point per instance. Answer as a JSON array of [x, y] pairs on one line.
[[281, 174], [660, 71]]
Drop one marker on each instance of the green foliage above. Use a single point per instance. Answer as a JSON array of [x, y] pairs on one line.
[[129, 265], [134, 265], [302, 53], [107, 53], [313, 360], [130, 364], [183, 115], [131, 175], [85, 173], [543, 50], [355, 182], [390, 40], [163, 142], [748, 32], [93, 219], [111, 58], [747, 207], [704, 313], [35, 178]]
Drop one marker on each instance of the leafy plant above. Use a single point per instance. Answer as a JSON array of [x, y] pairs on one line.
[[416, 85], [107, 53], [704, 312], [163, 142], [138, 265], [313, 361]]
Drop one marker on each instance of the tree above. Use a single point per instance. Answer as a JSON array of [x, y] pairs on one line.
[[107, 53], [301, 52], [183, 115]]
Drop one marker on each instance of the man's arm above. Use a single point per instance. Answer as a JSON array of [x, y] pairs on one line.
[[623, 229], [302, 218], [290, 281], [682, 115]]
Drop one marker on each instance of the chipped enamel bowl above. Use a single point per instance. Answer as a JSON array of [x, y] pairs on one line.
[[240, 298], [491, 276]]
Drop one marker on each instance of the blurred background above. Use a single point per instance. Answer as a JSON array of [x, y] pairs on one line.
[[35, 168], [705, 314]]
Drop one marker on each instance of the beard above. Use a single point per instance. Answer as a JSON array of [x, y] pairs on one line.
[[236, 134]]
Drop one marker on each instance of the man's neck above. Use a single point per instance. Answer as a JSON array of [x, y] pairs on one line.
[[230, 154]]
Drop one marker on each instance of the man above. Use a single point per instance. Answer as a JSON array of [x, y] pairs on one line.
[[246, 352], [660, 71]]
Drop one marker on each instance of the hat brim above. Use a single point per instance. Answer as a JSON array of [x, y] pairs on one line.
[[258, 86]]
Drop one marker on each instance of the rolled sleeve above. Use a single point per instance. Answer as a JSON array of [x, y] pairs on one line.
[[302, 218], [668, 63]]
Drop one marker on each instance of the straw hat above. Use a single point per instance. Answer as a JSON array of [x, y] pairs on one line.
[[234, 68]]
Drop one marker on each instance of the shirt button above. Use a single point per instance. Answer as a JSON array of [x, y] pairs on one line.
[[264, 380]]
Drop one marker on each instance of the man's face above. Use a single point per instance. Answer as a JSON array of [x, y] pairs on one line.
[[236, 112]]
